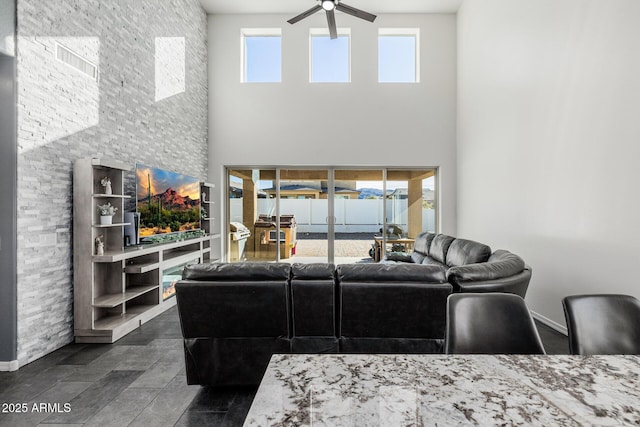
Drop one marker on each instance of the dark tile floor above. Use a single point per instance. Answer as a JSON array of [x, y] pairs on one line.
[[138, 381]]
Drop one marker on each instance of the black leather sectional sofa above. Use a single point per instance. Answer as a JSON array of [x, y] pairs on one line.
[[235, 316]]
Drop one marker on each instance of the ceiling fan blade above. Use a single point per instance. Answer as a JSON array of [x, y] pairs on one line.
[[305, 14], [331, 20], [355, 12]]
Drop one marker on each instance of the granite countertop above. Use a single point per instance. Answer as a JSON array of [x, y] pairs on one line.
[[441, 390]]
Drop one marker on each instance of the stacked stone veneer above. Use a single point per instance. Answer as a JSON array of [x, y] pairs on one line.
[[64, 114]]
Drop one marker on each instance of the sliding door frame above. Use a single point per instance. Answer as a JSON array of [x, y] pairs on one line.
[[331, 217]]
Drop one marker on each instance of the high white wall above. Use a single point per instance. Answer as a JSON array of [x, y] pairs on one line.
[[277, 124], [549, 140]]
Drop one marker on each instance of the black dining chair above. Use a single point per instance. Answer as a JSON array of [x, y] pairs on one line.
[[490, 323], [603, 324]]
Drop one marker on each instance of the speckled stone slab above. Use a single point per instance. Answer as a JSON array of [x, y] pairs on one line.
[[441, 390]]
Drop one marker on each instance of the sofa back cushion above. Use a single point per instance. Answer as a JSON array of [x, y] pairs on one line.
[[233, 308], [417, 257], [234, 300], [239, 271], [313, 299], [439, 247], [393, 310], [391, 273], [422, 243], [463, 252]]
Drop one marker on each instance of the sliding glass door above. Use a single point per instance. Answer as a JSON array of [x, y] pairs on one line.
[[358, 213], [340, 215], [305, 215]]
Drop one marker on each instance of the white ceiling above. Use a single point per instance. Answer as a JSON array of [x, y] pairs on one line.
[[298, 6]]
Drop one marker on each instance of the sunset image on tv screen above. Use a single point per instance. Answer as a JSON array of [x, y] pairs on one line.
[[167, 201]]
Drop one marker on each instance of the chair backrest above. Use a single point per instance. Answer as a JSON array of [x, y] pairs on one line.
[[490, 323], [603, 324]]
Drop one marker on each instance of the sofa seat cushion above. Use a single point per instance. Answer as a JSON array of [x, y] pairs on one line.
[[439, 247], [240, 271], [500, 264], [391, 273], [463, 252]]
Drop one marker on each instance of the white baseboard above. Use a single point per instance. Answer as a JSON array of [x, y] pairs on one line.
[[9, 366], [550, 323]]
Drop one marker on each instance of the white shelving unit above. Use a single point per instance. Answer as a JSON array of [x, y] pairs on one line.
[[116, 292], [208, 223]]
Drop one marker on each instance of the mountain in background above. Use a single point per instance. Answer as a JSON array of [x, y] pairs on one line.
[[367, 193], [171, 199]]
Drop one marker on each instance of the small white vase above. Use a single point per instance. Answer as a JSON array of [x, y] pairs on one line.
[[106, 220]]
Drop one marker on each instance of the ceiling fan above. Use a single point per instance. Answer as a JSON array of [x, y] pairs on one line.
[[330, 6]]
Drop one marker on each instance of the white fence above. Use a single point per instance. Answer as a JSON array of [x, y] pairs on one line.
[[351, 216]]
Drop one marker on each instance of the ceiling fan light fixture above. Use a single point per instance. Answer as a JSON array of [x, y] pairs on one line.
[[328, 5]]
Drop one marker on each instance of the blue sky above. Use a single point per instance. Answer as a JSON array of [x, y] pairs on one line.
[[330, 59]]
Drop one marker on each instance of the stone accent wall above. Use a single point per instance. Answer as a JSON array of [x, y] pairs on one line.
[[65, 114]]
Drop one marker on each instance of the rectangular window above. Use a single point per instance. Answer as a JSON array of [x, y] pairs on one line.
[[398, 59], [330, 59], [261, 55]]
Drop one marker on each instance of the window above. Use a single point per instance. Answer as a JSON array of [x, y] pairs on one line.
[[330, 61], [261, 55], [398, 60]]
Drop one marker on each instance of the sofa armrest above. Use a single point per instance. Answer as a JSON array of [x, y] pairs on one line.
[[501, 264], [516, 284]]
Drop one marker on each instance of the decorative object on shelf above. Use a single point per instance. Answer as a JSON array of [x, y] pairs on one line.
[[204, 197], [203, 213], [99, 245], [106, 183], [106, 213]]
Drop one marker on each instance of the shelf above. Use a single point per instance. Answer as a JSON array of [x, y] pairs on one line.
[[112, 322], [141, 268], [181, 258], [136, 291], [119, 224], [139, 309], [113, 196], [136, 251], [113, 300], [107, 163]]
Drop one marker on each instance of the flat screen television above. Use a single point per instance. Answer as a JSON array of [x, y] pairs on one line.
[[168, 202]]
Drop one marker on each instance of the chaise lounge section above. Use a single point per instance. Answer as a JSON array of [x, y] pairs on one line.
[[470, 266]]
